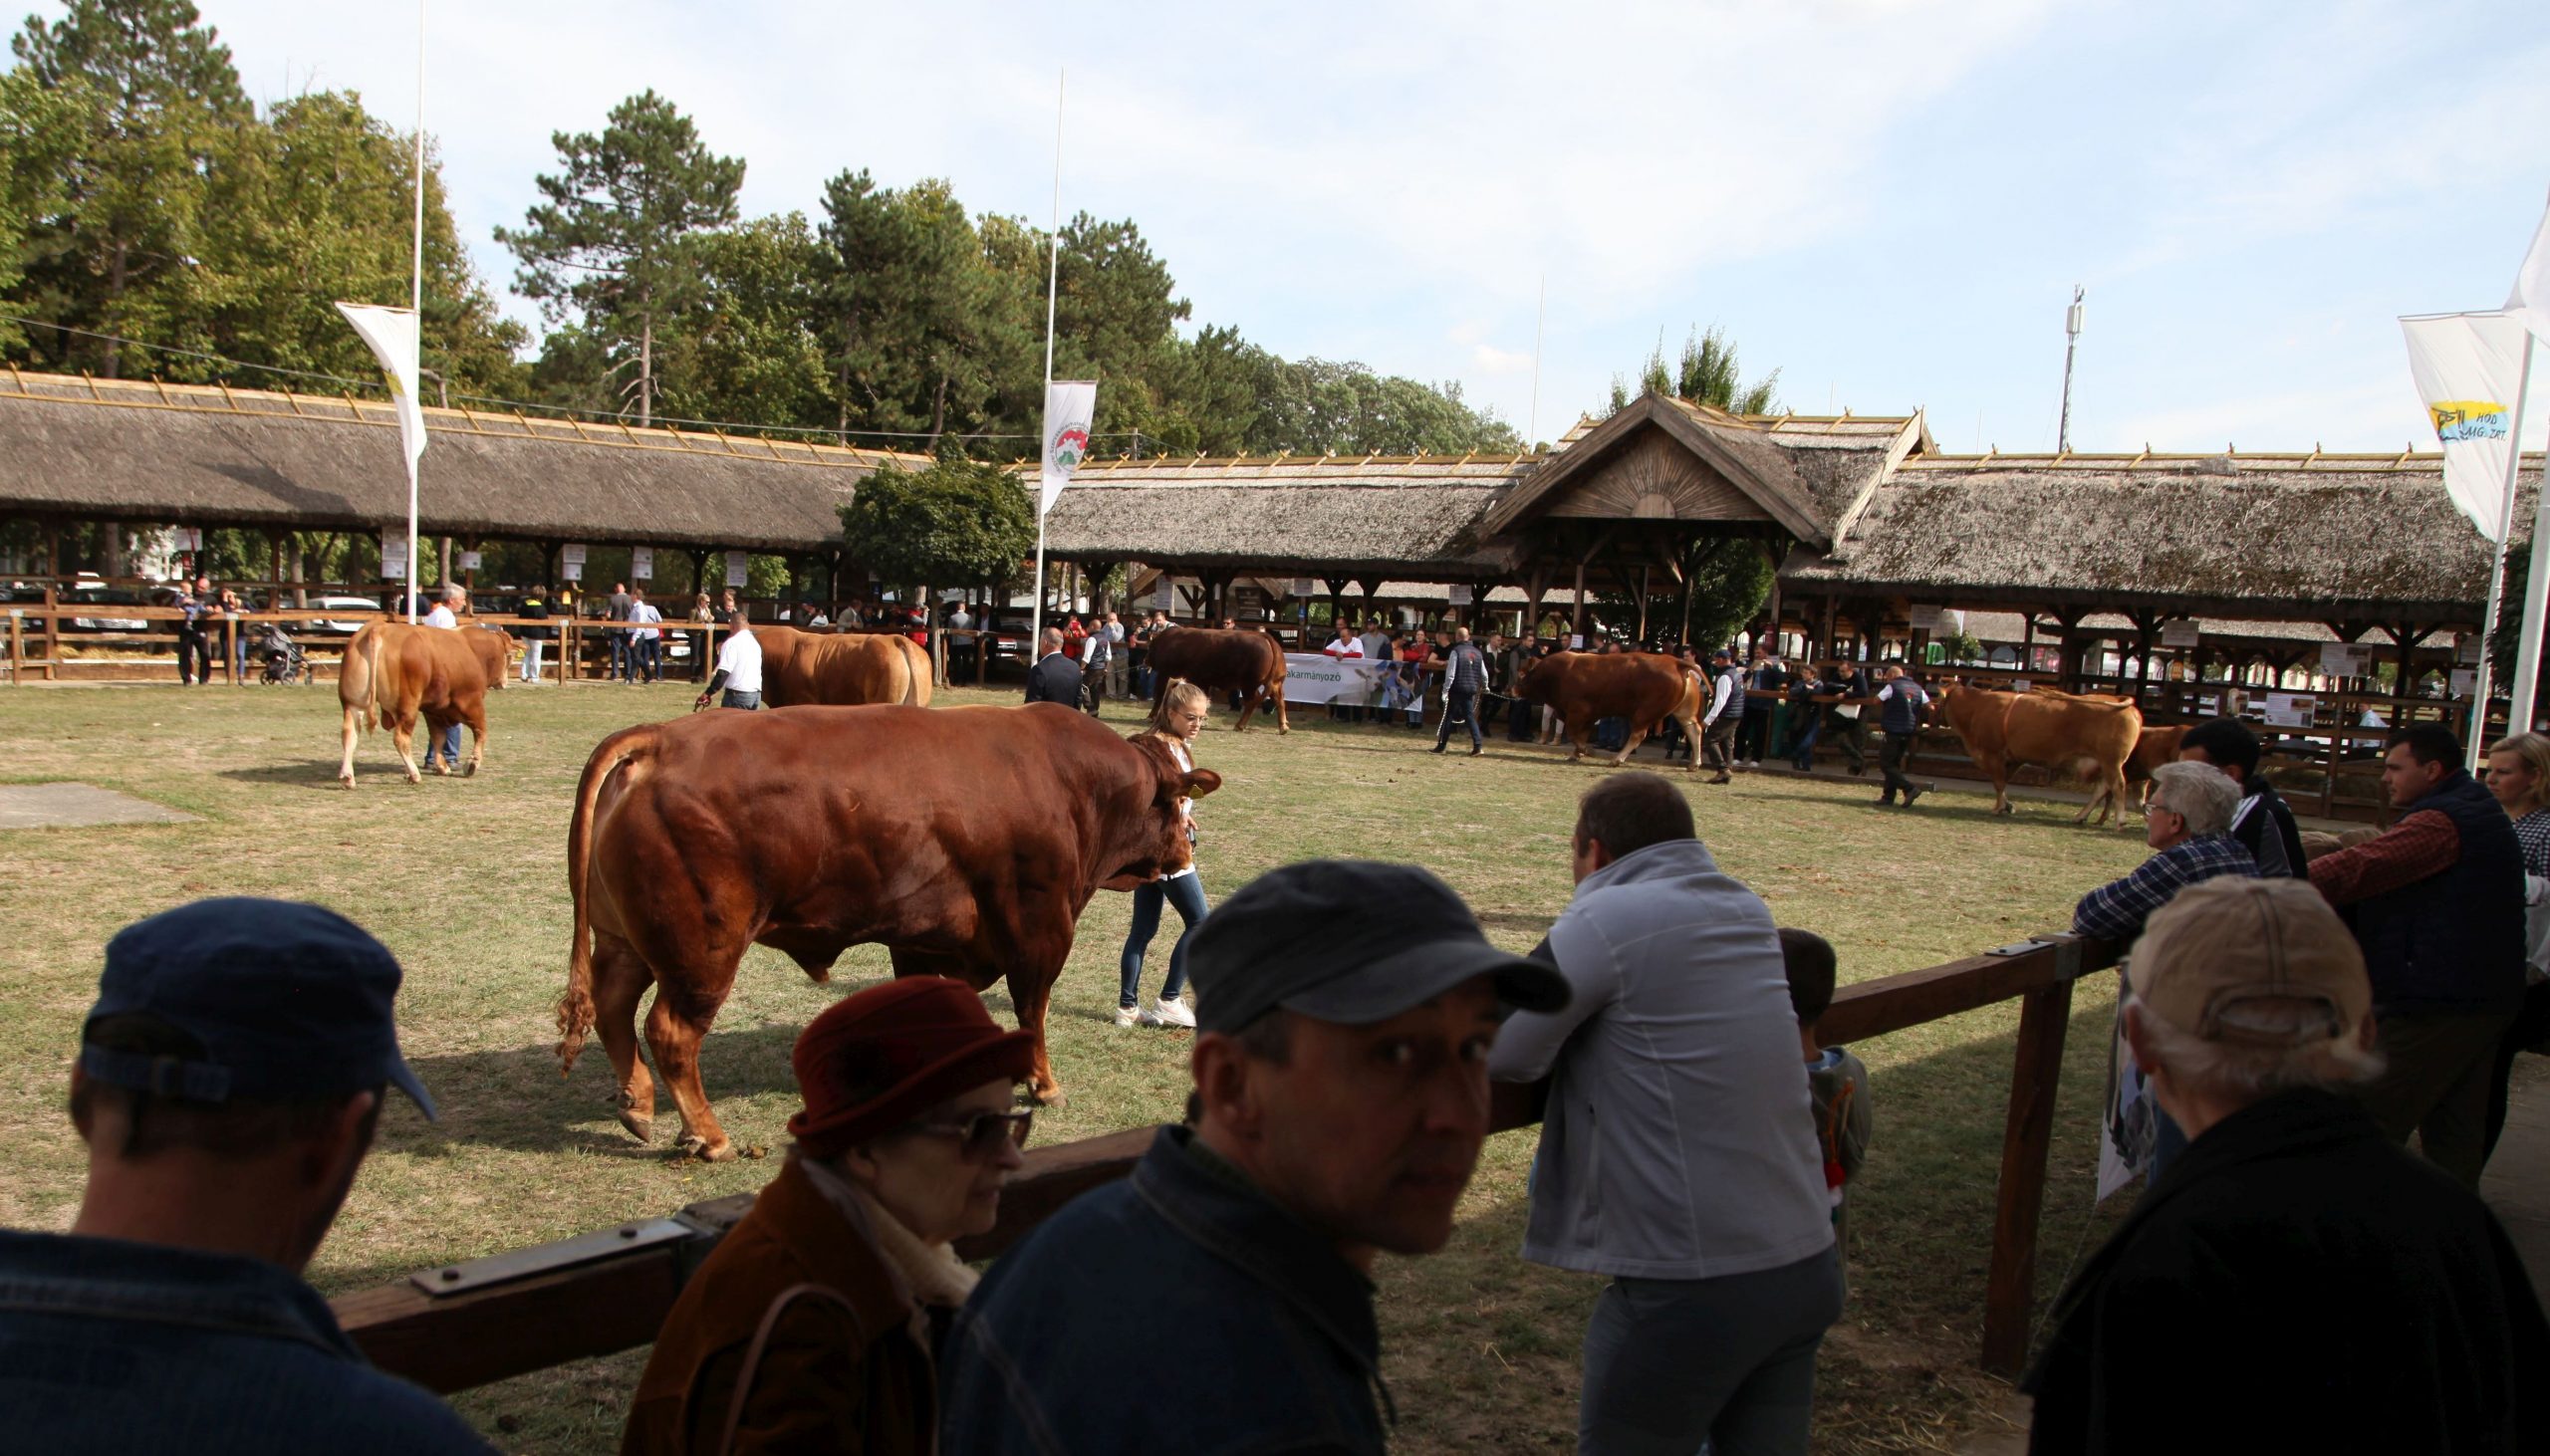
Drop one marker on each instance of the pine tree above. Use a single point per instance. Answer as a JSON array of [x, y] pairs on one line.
[[616, 243]]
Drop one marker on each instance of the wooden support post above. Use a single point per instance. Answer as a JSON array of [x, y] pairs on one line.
[[1577, 620], [230, 650], [17, 651], [2045, 1014]]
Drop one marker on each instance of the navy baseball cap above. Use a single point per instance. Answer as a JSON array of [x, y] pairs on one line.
[[289, 1002], [1349, 941]]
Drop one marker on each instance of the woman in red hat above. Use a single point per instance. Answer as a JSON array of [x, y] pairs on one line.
[[813, 1323]]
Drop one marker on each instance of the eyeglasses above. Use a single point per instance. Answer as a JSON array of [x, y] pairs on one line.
[[980, 1136]]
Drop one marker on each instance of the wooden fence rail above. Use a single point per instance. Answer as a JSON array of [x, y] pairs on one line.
[[460, 1326]]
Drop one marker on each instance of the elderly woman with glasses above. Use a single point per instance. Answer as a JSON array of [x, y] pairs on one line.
[[814, 1326]]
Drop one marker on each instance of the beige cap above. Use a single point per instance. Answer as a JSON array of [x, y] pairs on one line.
[[2232, 939]]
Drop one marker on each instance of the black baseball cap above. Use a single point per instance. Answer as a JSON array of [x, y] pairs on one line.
[[289, 1002], [1351, 941]]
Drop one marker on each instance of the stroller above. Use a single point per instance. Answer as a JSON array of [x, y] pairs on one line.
[[283, 657]]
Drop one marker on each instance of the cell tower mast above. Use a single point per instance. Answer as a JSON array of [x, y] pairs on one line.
[[2072, 348]]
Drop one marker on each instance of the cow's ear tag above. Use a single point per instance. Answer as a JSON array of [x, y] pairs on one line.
[[1200, 783]]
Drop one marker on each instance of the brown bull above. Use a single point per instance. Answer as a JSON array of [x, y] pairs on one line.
[[1645, 687], [2087, 737], [395, 672], [967, 841], [2155, 747], [1234, 662], [841, 669]]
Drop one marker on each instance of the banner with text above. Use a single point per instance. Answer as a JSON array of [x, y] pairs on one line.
[[1315, 677]]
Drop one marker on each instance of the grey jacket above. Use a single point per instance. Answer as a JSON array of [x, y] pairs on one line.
[[1680, 1138]]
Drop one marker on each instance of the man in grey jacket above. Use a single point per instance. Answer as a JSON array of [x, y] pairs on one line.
[[1677, 1147]]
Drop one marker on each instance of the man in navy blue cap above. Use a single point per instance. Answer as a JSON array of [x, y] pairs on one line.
[[1343, 1015], [229, 1082]]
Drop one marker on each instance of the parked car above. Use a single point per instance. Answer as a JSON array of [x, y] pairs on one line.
[[100, 595], [368, 609]]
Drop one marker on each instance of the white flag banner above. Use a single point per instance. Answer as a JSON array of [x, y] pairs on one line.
[[1069, 406], [391, 332], [2467, 367], [2530, 302]]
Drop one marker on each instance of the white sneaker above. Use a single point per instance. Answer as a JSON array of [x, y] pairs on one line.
[[1134, 1016], [1172, 1014]]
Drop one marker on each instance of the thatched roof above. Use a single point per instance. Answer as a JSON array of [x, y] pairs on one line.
[[1334, 515], [2310, 537], [206, 456]]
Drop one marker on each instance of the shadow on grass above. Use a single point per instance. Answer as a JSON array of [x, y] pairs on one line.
[[516, 1098], [314, 772]]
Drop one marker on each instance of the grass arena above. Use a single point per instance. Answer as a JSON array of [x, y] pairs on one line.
[[464, 880]]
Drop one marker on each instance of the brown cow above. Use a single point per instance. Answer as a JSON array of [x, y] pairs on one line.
[[2156, 746], [1645, 687], [394, 671], [2084, 736], [967, 841], [841, 669], [1223, 661]]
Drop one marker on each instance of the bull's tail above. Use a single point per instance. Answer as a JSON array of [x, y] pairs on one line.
[[357, 676], [576, 1006], [917, 672]]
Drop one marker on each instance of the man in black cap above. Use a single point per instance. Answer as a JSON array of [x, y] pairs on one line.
[[229, 1082], [1343, 1015]]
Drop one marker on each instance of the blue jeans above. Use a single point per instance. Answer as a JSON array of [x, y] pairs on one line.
[[647, 654], [450, 747], [1671, 1363], [618, 653], [1185, 895], [735, 699], [1802, 753]]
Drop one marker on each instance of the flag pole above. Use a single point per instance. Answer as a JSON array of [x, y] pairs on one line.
[[2536, 586], [1053, 278], [416, 306]]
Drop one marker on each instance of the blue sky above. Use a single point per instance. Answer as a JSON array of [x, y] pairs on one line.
[[1889, 200]]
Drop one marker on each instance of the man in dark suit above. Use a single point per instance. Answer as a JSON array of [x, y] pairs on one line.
[[1055, 678]]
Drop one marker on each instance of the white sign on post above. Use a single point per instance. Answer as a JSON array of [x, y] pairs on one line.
[[2344, 659], [1305, 586], [394, 556], [2465, 681], [2290, 710], [738, 568], [571, 571], [641, 563], [1167, 597], [2181, 633], [2467, 651], [571, 555], [472, 561], [1461, 596]]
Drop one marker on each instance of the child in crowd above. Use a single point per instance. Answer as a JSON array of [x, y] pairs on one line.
[[1842, 1116]]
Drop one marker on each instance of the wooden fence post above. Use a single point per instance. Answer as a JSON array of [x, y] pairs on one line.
[[17, 651], [2045, 1014]]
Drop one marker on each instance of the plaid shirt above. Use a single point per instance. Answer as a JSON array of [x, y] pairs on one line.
[[2533, 832], [2116, 910]]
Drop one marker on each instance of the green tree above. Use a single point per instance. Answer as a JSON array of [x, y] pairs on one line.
[[1705, 373], [317, 205], [39, 136], [1725, 580], [1317, 406], [957, 522], [920, 333], [743, 347], [617, 243], [155, 93]]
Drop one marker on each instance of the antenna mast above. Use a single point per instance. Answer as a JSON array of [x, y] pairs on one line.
[[2072, 348]]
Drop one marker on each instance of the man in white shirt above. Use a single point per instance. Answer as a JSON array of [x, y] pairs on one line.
[[446, 615], [1726, 710], [645, 641], [738, 668], [1097, 654]]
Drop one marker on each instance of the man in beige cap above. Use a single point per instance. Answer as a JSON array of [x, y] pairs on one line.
[[2295, 1281]]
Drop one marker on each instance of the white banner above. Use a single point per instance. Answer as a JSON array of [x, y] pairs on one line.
[[2290, 710], [391, 332], [641, 563], [1316, 677], [472, 561], [571, 571], [2181, 633], [2467, 367], [1069, 406], [394, 556], [738, 568], [572, 555], [1165, 599], [2345, 659], [2530, 302]]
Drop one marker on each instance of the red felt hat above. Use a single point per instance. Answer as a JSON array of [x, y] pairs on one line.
[[877, 1060]]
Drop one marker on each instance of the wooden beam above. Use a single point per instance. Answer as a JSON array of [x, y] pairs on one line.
[[2009, 1291]]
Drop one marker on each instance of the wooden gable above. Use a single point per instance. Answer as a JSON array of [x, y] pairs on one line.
[[1655, 478]]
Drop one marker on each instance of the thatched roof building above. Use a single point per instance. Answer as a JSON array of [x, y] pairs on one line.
[[208, 455], [2309, 537]]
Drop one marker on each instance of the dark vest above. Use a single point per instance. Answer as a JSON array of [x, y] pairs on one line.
[[2453, 941]]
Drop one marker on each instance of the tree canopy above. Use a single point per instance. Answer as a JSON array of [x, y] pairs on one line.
[[957, 523], [1705, 375]]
